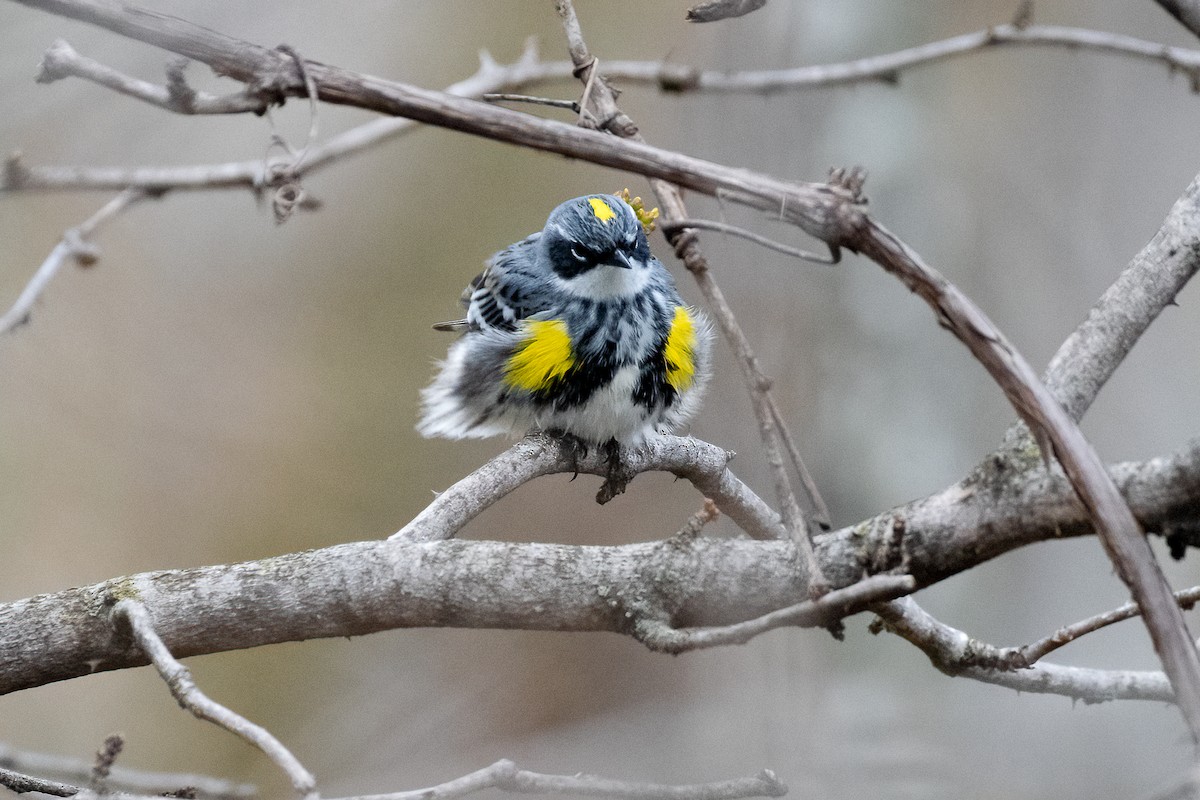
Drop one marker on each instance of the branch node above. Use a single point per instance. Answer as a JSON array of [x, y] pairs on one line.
[[182, 97], [53, 64]]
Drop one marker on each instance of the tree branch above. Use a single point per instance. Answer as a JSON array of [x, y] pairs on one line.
[[536, 455], [810, 205], [364, 587], [133, 614], [506, 776], [120, 779], [74, 245], [1116, 526], [826, 610], [1035, 651], [62, 61], [949, 649], [1092, 353]]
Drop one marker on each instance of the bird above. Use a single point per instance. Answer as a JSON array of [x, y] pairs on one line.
[[576, 330]]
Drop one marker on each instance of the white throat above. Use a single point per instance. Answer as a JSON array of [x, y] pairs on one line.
[[605, 282]]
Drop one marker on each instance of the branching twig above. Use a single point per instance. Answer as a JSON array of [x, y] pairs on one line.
[[539, 454], [62, 61], [74, 245], [251, 174], [956, 653], [1088, 358], [184, 690], [659, 635], [1120, 533]]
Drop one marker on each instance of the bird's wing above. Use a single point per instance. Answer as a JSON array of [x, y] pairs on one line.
[[512, 288]]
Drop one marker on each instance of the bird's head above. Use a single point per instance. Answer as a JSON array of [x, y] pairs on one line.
[[596, 230]]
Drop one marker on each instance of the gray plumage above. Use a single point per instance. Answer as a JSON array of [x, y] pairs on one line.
[[576, 329]]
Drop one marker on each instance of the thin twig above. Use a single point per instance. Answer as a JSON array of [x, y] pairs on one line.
[[507, 776], [509, 97], [529, 71], [1034, 651], [825, 610], [121, 778], [819, 511], [673, 209], [74, 245], [680, 225], [708, 513], [179, 680]]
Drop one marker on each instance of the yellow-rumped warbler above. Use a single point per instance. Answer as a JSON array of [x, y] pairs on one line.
[[577, 330]]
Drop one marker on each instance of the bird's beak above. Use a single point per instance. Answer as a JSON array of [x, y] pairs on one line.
[[621, 259]]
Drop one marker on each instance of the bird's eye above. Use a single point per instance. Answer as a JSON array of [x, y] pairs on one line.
[[575, 254]]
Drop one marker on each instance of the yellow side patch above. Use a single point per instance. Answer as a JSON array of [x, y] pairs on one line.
[[680, 350], [602, 210], [542, 358]]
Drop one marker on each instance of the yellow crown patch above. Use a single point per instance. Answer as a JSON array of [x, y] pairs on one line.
[[602, 210]]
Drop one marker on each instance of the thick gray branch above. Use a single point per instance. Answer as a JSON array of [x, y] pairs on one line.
[[364, 587]]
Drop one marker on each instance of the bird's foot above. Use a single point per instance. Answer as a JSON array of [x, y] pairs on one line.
[[617, 475], [573, 449]]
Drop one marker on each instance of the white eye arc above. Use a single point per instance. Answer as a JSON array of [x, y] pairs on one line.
[[576, 256]]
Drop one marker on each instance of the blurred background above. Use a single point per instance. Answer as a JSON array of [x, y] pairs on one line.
[[219, 388]]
